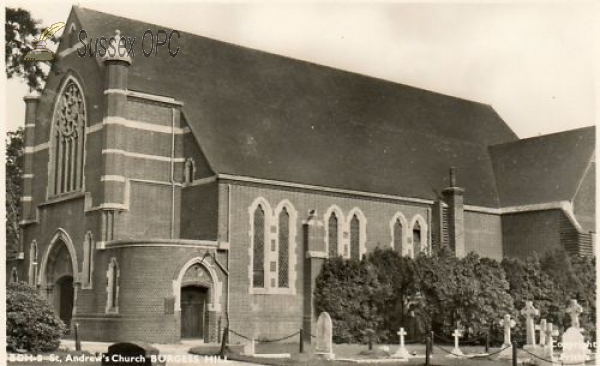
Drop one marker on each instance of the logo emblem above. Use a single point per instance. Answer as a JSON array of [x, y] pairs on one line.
[[40, 52]]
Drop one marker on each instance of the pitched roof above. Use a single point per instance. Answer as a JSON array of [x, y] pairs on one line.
[[267, 116], [542, 169]]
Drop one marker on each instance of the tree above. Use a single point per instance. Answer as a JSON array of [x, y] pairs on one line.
[[20, 31], [14, 189]]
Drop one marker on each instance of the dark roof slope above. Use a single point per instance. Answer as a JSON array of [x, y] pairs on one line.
[[267, 116], [542, 169]]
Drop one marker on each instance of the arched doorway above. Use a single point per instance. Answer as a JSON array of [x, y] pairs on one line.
[[194, 311], [59, 280]]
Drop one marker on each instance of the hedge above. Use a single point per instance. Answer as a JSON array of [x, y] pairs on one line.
[[384, 291]]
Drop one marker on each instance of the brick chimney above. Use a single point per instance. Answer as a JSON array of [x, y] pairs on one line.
[[453, 196]]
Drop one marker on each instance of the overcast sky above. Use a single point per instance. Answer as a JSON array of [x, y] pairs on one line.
[[534, 63]]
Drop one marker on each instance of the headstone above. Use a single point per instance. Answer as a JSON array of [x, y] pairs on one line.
[[507, 323], [549, 347], [574, 348], [324, 347], [574, 310], [542, 329], [131, 354], [456, 351], [401, 352], [529, 311], [249, 348]]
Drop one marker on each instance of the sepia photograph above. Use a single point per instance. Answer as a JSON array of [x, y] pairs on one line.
[[300, 184]]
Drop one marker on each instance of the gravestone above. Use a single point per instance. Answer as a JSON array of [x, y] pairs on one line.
[[530, 312], [401, 352], [542, 329], [131, 354], [574, 310], [324, 347], [549, 347], [507, 324], [456, 351], [249, 348], [574, 348]]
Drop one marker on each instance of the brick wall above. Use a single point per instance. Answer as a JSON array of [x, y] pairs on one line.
[[145, 285], [280, 315]]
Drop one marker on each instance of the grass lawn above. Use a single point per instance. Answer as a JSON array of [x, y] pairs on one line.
[[359, 352]]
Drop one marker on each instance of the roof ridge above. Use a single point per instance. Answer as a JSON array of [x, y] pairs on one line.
[[336, 69], [548, 135]]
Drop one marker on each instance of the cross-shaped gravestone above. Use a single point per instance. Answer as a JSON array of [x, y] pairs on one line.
[[457, 334], [549, 347], [401, 352], [574, 310], [530, 312], [507, 323], [542, 329]]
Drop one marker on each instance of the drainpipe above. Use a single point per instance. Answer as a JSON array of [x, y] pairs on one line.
[[173, 173]]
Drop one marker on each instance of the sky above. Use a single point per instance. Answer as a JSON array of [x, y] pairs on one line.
[[535, 63]]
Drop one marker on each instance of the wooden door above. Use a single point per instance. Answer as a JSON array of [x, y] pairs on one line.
[[65, 285], [193, 307]]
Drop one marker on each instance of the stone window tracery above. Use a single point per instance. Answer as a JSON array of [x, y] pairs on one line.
[[258, 278], [355, 238], [284, 247], [333, 235], [68, 133]]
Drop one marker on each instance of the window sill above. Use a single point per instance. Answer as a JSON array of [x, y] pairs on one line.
[[272, 291], [62, 198]]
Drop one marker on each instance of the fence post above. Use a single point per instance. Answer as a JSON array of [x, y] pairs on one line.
[[301, 340], [224, 341], [77, 341], [487, 341], [514, 353], [428, 349]]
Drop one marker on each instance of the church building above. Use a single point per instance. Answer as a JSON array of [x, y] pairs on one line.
[[166, 197]]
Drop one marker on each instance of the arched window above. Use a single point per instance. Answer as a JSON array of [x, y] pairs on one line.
[[417, 238], [398, 236], [112, 305], [33, 263], [258, 245], [355, 238], [67, 139], [284, 247], [333, 235]]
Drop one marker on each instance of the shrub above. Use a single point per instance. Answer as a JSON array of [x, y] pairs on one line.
[[31, 323]]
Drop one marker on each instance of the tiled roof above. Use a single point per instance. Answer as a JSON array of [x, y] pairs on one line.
[[267, 116], [542, 169]]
